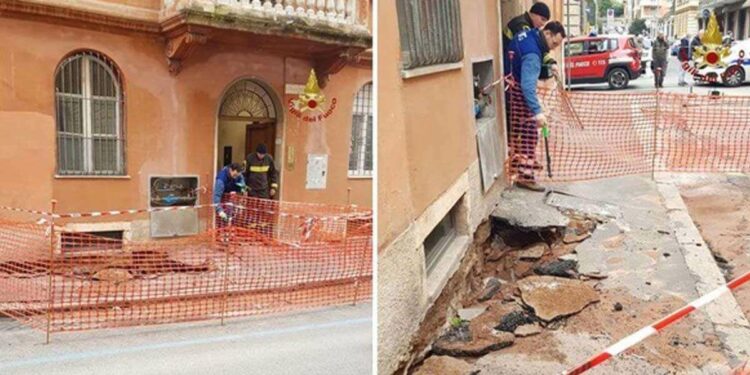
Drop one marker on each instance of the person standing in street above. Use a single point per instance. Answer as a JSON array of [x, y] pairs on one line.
[[261, 174], [528, 48], [695, 43], [659, 64], [683, 56]]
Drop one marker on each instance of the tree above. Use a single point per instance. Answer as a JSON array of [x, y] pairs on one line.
[[637, 27], [613, 4]]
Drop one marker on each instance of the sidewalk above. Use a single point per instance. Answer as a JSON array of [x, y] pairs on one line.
[[655, 262]]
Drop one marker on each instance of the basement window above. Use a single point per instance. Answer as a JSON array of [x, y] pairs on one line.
[[90, 241], [439, 240]]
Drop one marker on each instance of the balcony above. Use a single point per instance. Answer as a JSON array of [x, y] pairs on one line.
[[332, 33], [324, 30], [336, 13]]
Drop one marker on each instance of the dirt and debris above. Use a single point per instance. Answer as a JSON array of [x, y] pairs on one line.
[[113, 275], [471, 340], [601, 320], [444, 365], [527, 330], [457, 333], [720, 207], [554, 297], [617, 307], [491, 287], [470, 313], [560, 268], [533, 252], [515, 319]]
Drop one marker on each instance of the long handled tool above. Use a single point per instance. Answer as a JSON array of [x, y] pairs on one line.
[[566, 101], [545, 135]]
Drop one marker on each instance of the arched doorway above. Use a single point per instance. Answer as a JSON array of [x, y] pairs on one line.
[[248, 116]]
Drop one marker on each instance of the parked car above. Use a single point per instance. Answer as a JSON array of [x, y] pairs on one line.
[[613, 59], [738, 66]]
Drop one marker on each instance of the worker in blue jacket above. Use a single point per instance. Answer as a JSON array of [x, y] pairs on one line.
[[228, 180], [524, 62]]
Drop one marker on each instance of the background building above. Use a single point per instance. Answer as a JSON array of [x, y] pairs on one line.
[[686, 17], [732, 16]]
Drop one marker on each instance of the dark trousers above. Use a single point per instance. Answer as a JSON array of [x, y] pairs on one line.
[[523, 135], [660, 70]]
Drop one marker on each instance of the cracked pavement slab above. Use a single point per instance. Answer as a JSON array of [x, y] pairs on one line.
[[648, 256]]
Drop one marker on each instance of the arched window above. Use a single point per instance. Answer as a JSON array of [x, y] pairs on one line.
[[360, 153], [88, 95]]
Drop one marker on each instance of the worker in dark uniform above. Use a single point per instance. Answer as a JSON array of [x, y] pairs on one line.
[[228, 180], [261, 174], [528, 48], [535, 18]]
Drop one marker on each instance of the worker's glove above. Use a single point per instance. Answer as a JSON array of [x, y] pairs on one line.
[[243, 187], [541, 119], [223, 215], [554, 71]]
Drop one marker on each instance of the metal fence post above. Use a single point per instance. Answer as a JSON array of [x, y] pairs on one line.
[[51, 294], [360, 271], [225, 286], [658, 71]]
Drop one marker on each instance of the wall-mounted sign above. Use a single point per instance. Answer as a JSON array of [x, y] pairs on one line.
[[317, 167], [173, 191], [310, 105]]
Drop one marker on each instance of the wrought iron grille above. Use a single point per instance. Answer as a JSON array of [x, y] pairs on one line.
[[90, 136], [360, 154], [430, 32]]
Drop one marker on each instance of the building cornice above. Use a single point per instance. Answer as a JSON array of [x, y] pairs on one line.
[[39, 11], [331, 47]]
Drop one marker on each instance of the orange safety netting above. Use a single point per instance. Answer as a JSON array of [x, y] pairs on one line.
[[270, 257], [596, 135]]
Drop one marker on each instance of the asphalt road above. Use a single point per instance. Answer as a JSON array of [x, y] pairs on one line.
[[646, 83], [328, 341]]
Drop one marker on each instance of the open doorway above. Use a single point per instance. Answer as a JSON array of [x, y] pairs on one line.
[[247, 118]]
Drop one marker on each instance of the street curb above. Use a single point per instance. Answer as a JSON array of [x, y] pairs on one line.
[[725, 313]]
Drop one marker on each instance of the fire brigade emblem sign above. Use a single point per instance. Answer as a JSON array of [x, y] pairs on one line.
[[310, 104], [712, 52]]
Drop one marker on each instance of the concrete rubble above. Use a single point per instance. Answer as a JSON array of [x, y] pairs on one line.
[[528, 330], [444, 365], [519, 209], [478, 344], [533, 252], [583, 272], [470, 313], [492, 285], [555, 297]]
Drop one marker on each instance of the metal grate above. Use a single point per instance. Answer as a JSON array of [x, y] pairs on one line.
[[88, 96], [430, 32], [360, 153], [247, 98]]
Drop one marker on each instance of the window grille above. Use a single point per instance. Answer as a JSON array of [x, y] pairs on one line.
[[360, 153], [88, 105], [430, 32]]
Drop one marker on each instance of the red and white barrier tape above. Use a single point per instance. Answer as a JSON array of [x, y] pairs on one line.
[[48, 215], [657, 326]]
